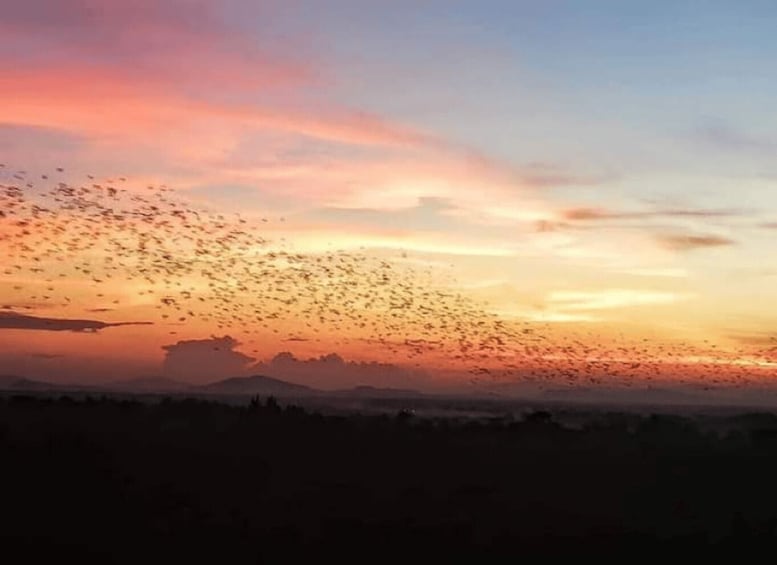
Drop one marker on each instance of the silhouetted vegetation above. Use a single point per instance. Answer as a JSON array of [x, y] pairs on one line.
[[185, 480]]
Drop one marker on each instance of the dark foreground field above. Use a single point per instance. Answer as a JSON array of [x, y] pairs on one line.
[[191, 481]]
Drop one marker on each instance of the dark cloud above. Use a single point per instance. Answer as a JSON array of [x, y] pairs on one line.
[[14, 321], [681, 242], [205, 360], [216, 358], [46, 355], [333, 372]]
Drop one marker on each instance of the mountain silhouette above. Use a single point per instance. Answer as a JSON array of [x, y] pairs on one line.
[[14, 382], [150, 384], [7, 380], [371, 392], [257, 384]]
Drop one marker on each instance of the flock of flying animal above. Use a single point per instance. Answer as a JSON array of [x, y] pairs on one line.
[[223, 271]]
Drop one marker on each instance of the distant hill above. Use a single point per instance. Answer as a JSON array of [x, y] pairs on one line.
[[366, 391], [13, 382], [636, 396], [260, 384], [149, 384], [8, 380], [257, 384]]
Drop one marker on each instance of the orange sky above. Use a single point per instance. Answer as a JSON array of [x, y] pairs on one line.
[[251, 170]]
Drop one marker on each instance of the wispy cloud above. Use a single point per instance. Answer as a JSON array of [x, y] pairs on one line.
[[683, 242], [104, 103], [173, 75], [611, 298], [661, 272], [176, 85], [729, 138], [178, 41], [46, 355], [593, 214], [543, 175], [762, 339]]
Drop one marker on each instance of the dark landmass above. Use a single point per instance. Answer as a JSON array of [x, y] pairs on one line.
[[190, 480], [497, 398], [235, 386], [149, 384], [257, 384], [23, 384], [371, 391]]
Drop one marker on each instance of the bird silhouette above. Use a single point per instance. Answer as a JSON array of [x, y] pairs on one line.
[[226, 272]]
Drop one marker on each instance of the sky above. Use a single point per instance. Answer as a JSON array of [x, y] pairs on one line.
[[555, 191]]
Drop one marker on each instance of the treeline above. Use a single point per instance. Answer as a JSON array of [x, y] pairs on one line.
[[192, 480]]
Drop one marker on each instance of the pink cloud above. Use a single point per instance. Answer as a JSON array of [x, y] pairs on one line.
[[178, 75], [102, 102], [147, 68], [171, 87], [171, 41]]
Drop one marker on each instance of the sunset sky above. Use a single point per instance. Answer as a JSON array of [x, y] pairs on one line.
[[599, 174]]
